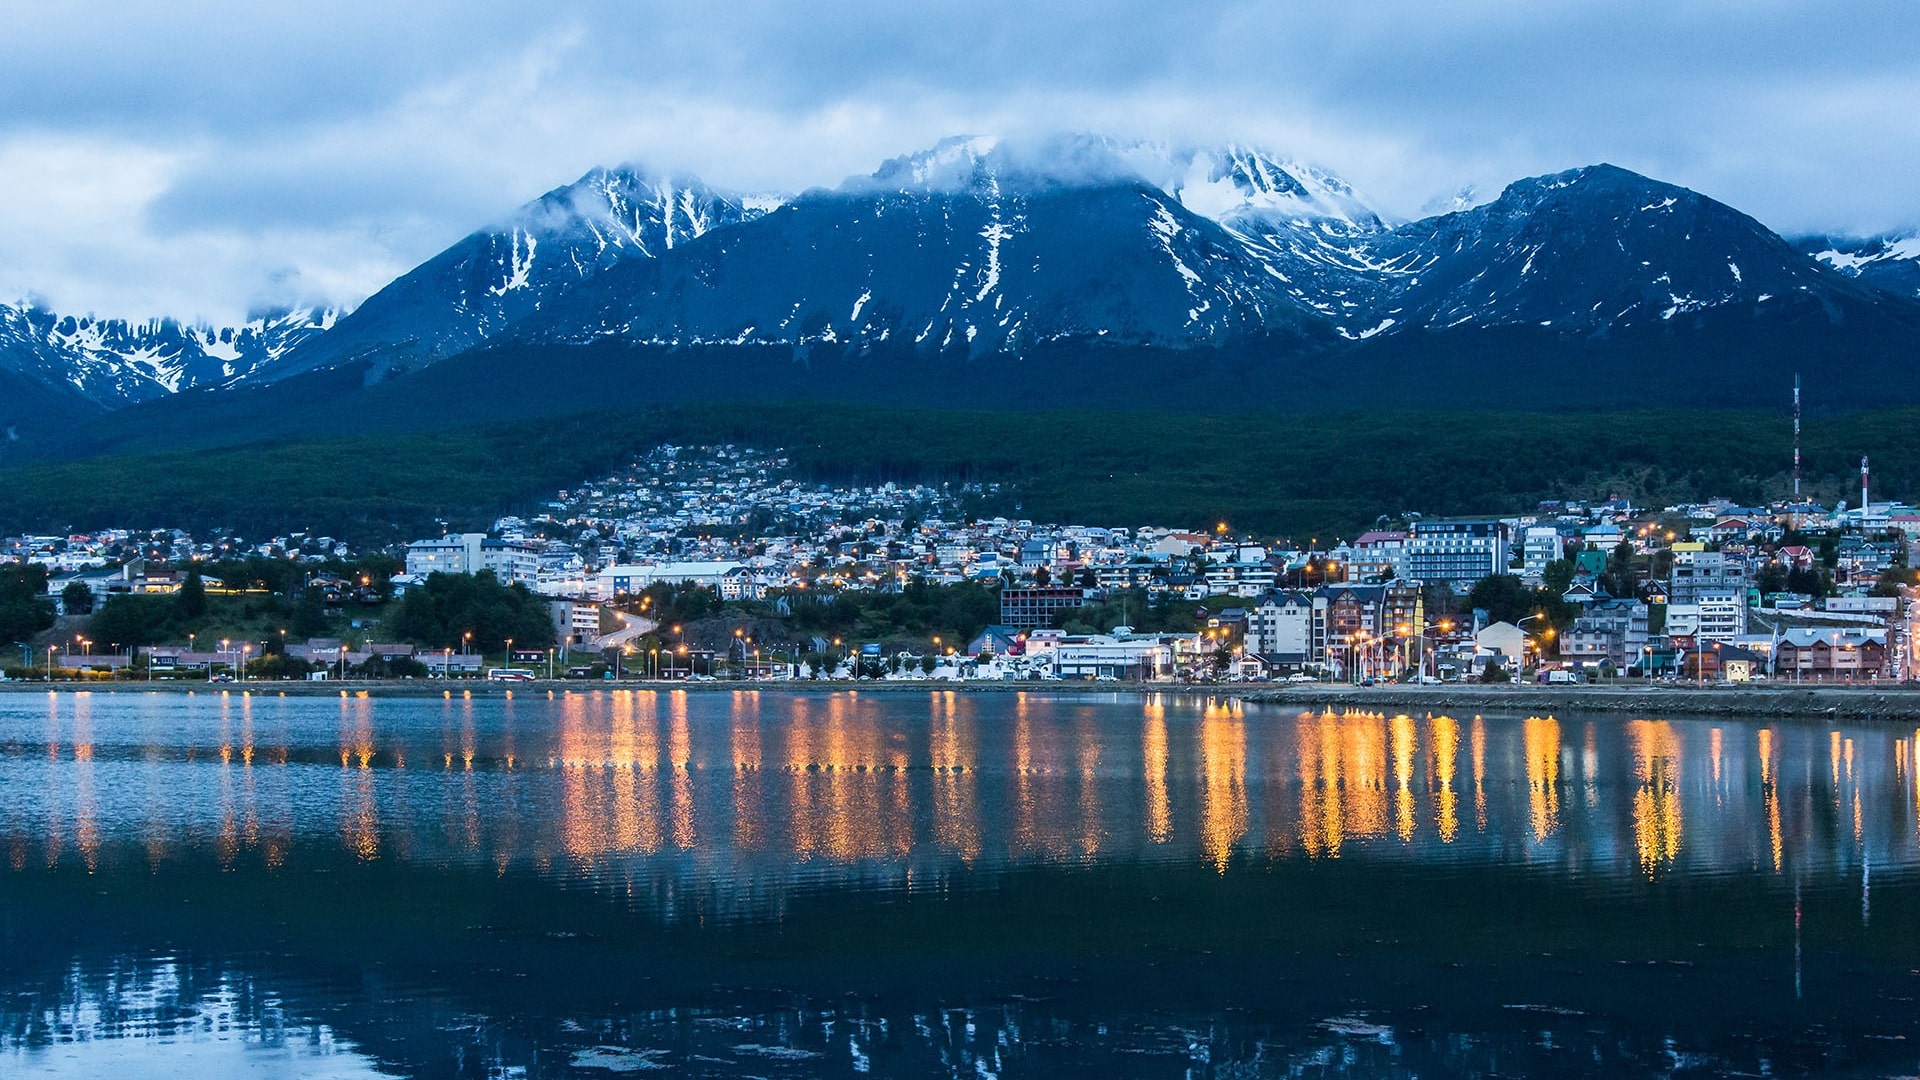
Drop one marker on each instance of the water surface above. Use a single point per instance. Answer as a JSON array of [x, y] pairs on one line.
[[795, 884]]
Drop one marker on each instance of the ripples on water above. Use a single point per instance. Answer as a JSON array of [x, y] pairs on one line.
[[616, 882]]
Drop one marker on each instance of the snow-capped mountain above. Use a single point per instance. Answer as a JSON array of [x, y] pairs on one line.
[[1890, 263], [984, 247], [1590, 250], [976, 245], [493, 278], [995, 246], [114, 362]]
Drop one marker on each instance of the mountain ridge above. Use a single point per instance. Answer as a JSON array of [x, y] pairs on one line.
[[982, 247]]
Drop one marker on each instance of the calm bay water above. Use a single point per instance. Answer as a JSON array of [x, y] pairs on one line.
[[775, 884]]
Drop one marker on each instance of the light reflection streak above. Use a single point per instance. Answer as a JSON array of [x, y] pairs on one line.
[[1153, 750], [1656, 800], [623, 777], [1402, 733], [1445, 738], [1223, 752], [951, 748], [1542, 738]]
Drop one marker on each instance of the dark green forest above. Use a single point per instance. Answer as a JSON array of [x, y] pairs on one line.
[[1274, 474]]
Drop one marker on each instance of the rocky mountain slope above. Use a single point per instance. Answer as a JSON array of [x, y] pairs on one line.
[[981, 248]]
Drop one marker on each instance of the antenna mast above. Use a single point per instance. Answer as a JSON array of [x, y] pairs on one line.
[[1863, 493], [1796, 436]]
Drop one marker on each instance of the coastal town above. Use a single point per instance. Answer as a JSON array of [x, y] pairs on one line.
[[722, 562]]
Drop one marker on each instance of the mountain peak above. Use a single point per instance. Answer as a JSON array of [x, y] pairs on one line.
[[1225, 183]]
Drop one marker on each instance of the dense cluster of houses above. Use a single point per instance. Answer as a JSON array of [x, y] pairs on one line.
[[1705, 591]]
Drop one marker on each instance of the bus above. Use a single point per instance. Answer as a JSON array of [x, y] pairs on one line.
[[510, 674]]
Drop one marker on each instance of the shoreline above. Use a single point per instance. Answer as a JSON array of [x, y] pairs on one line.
[[1891, 702]]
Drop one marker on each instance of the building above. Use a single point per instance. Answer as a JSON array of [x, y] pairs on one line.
[[1373, 626], [1457, 552], [510, 562], [1379, 556], [1503, 642], [1714, 615], [1614, 632], [627, 580], [997, 641], [575, 622], [1250, 578], [1819, 655], [1034, 608], [1281, 625], [1129, 657], [1542, 545], [1695, 571]]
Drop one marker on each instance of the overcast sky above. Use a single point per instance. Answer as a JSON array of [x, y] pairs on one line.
[[200, 158]]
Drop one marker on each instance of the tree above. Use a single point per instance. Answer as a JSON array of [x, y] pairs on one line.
[[1219, 660], [1558, 576], [1042, 576], [1439, 599], [309, 616], [76, 598], [134, 620], [928, 663], [279, 666], [1618, 579], [1807, 582], [1503, 597], [25, 609], [1494, 673], [440, 612], [191, 602]]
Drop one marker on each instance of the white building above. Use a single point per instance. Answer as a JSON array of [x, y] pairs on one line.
[[1543, 544], [1282, 625], [628, 579], [472, 553], [575, 622], [1699, 572], [1715, 615], [1114, 656], [455, 553]]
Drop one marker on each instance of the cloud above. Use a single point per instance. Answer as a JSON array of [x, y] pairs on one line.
[[200, 158]]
